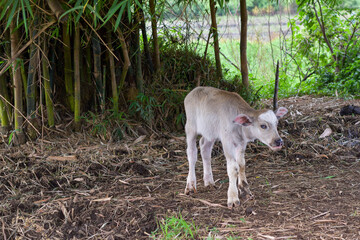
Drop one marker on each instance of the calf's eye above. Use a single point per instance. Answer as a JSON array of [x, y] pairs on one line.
[[263, 126]]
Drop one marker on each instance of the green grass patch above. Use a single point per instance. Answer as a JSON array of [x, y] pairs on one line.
[[175, 227]]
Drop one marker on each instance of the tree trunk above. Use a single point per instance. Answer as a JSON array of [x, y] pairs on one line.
[[69, 86], [154, 33], [243, 44], [145, 40], [276, 89], [97, 70], [112, 74], [47, 86], [320, 20], [77, 77], [216, 40], [14, 40]]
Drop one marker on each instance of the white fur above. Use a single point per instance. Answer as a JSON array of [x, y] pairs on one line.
[[269, 116], [211, 112]]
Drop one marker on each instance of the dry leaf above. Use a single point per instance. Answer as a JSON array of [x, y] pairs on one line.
[[326, 133], [139, 139]]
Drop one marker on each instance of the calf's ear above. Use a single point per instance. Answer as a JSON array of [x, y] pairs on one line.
[[243, 119], [281, 112]]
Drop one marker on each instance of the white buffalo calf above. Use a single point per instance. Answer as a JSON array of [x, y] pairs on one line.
[[220, 115]]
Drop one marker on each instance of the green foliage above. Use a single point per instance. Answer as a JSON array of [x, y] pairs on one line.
[[175, 227], [224, 7], [334, 59], [143, 106], [16, 9], [108, 125]]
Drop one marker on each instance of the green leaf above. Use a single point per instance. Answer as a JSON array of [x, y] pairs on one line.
[[5, 7], [24, 17], [329, 177], [120, 16], [11, 15], [11, 136], [27, 4], [70, 11], [113, 9], [97, 15], [129, 10]]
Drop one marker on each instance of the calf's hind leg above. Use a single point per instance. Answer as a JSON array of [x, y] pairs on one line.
[[205, 150], [192, 158]]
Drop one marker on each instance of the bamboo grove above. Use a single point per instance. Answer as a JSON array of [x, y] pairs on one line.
[[80, 55]]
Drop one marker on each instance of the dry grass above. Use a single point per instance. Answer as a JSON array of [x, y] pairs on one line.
[[73, 186]]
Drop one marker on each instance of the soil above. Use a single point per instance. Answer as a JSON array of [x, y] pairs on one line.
[[75, 186]]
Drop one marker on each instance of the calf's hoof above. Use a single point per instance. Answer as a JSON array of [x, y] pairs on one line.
[[209, 181], [190, 188], [245, 193], [234, 202]]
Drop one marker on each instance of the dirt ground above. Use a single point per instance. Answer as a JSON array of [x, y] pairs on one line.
[[74, 186]]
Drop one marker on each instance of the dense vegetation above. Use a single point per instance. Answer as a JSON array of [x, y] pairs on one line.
[[107, 63]]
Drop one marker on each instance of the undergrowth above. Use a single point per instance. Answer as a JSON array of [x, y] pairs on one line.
[[175, 227]]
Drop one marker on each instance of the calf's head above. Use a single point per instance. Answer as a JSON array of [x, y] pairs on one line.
[[264, 127]]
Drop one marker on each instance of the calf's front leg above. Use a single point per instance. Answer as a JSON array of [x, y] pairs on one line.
[[233, 172], [242, 181]]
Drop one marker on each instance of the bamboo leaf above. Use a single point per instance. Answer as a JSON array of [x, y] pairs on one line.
[[24, 17], [95, 13], [5, 7], [70, 11], [129, 10], [114, 8], [11, 15], [78, 16], [139, 4], [120, 16], [27, 4]]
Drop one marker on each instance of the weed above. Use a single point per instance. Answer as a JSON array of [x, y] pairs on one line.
[[175, 227], [143, 106], [110, 124]]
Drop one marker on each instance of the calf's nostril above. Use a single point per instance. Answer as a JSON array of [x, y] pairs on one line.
[[279, 142]]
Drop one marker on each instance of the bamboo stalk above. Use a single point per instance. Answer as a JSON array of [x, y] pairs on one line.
[[47, 87], [5, 124], [3, 113], [57, 9], [138, 70], [77, 77], [18, 108], [145, 40], [112, 74], [23, 77], [17, 53], [154, 33], [97, 70], [4, 79], [32, 70], [127, 62], [69, 86]]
